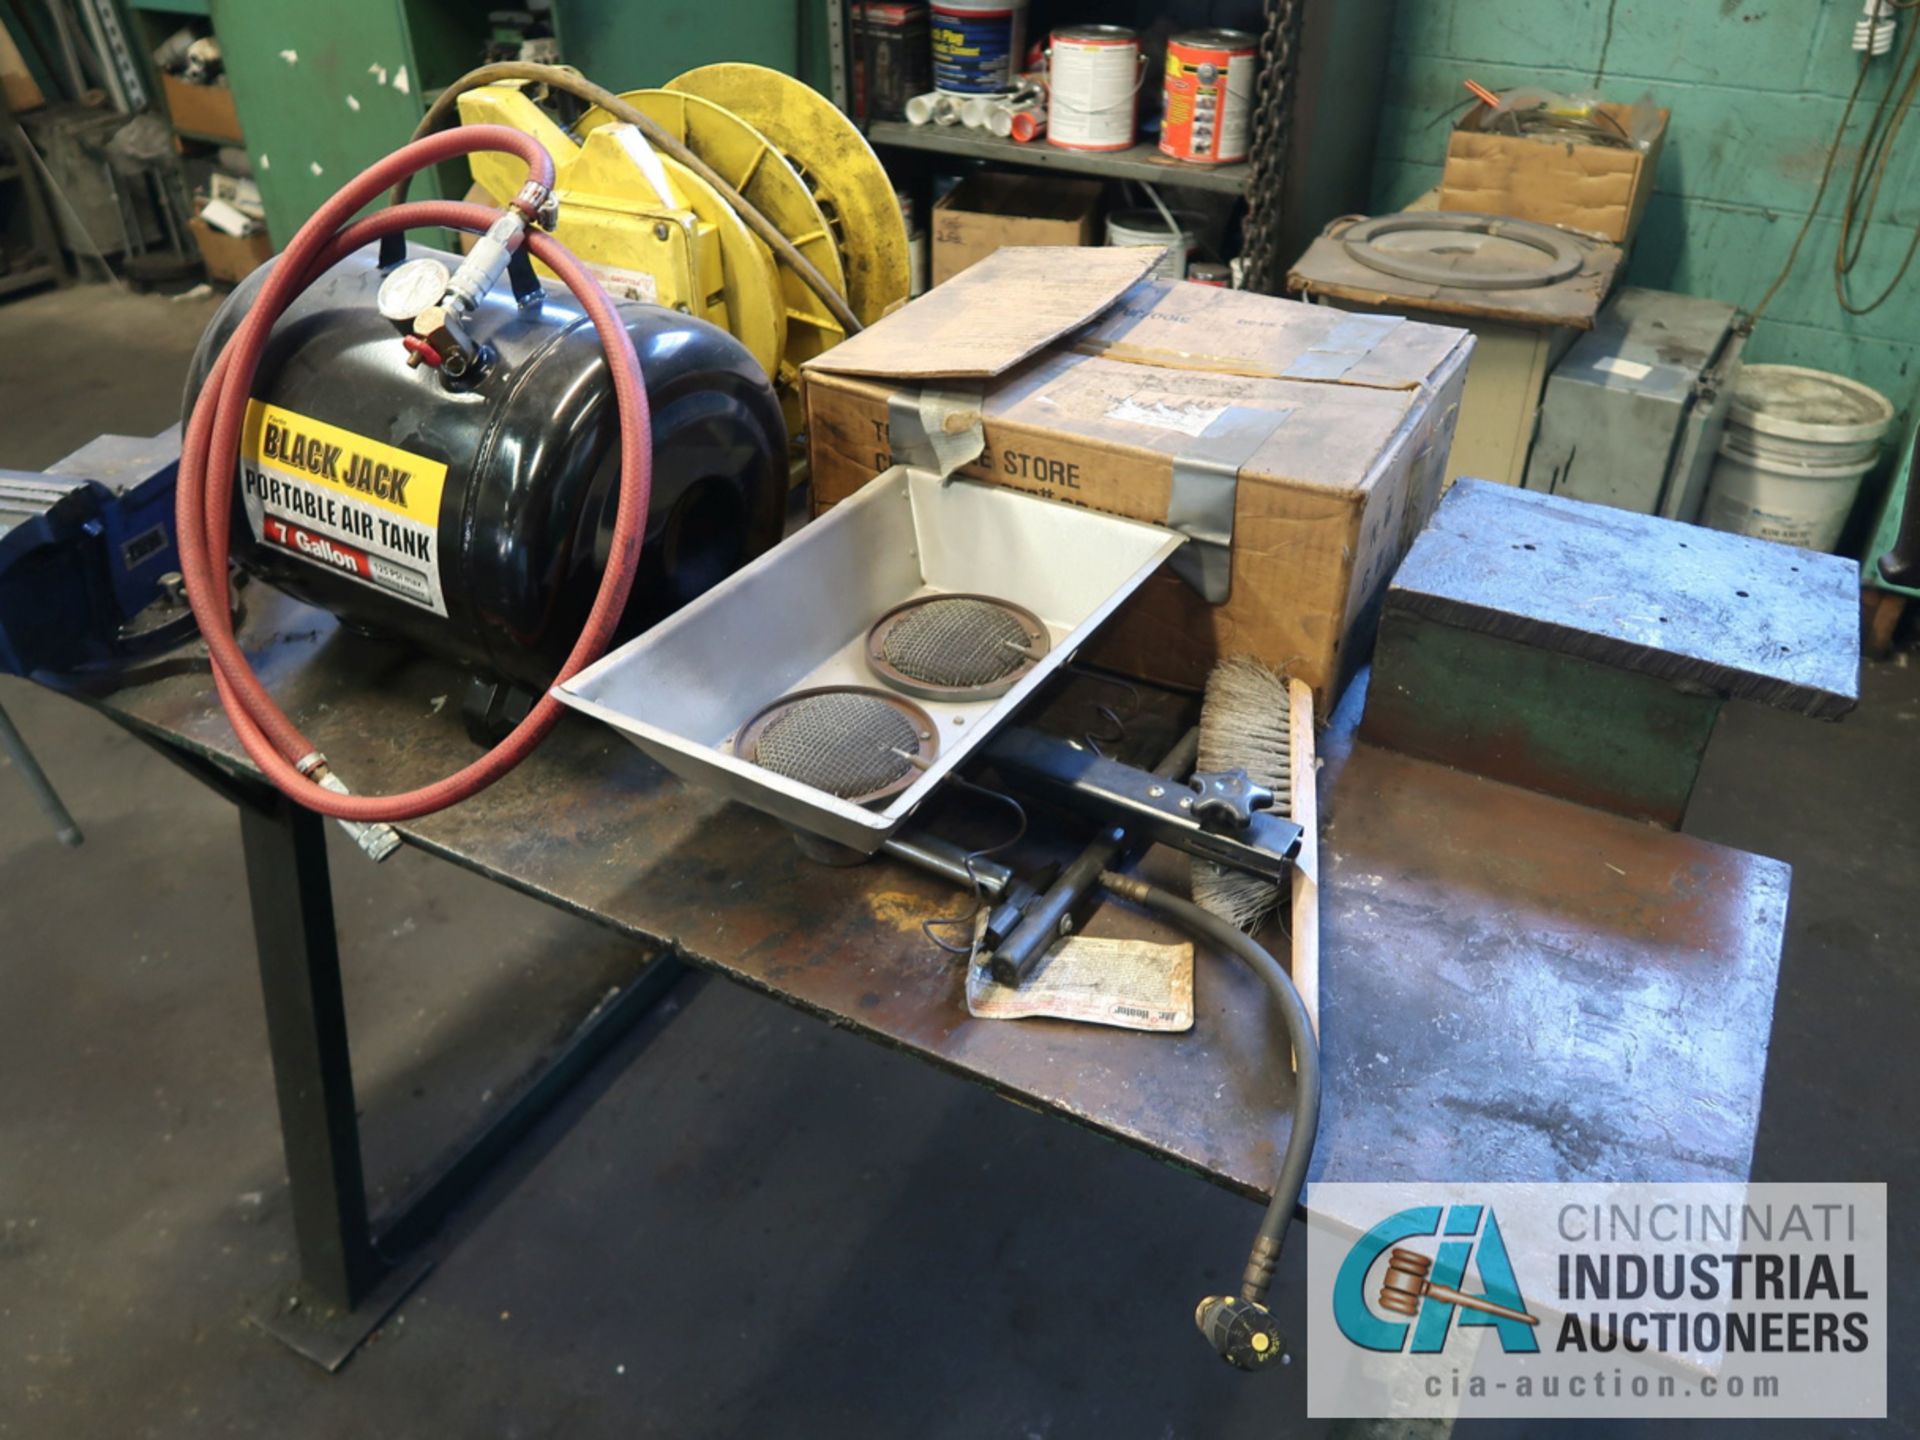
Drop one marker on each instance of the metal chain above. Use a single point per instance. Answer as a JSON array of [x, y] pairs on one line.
[[1273, 95]]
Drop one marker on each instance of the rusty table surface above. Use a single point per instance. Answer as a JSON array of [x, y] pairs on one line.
[[1513, 987]]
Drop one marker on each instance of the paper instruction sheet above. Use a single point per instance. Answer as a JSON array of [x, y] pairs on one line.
[[1134, 984]]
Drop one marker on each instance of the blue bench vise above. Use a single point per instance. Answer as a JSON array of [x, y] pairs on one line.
[[85, 547]]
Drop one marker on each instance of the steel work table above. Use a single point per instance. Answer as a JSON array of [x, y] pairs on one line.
[[1513, 987]]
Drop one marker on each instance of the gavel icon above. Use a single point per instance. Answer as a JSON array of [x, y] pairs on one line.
[[1406, 1283]]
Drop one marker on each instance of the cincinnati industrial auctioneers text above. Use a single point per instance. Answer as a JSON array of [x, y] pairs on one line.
[[1738, 1273]]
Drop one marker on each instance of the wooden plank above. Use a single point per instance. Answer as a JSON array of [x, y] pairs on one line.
[[1306, 865]]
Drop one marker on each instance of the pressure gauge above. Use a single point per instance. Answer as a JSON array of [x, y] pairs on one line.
[[411, 288]]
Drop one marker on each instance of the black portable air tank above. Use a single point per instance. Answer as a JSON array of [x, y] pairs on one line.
[[473, 515]]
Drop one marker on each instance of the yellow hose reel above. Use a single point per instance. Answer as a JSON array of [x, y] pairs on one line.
[[656, 231]]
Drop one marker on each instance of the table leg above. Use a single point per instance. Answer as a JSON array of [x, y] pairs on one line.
[[299, 955], [14, 746], [354, 1268]]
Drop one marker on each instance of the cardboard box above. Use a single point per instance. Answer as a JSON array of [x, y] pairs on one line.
[[230, 257], [202, 112], [1098, 387], [22, 90], [989, 210], [1600, 190]]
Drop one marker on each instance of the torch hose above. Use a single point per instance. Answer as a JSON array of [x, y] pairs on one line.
[[1205, 925], [210, 453]]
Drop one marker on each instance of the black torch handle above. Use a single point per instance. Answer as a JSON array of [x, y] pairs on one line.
[[1019, 955]]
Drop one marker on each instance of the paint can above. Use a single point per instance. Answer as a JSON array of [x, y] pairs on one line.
[[978, 45], [1149, 227], [1209, 96], [1093, 75], [1210, 272]]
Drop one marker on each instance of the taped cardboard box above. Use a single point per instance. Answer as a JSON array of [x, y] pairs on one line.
[[1324, 434], [1600, 190]]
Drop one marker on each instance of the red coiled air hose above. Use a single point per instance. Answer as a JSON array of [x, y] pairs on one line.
[[211, 446]]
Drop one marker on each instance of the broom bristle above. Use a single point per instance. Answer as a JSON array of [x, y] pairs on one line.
[[1246, 721]]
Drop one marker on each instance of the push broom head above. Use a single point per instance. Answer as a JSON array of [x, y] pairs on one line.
[[1245, 721]]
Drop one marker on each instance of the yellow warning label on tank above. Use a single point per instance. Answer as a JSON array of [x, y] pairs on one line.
[[355, 465], [362, 508]]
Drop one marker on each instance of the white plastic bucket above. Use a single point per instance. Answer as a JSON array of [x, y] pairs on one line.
[[1149, 227], [1797, 444], [1804, 505]]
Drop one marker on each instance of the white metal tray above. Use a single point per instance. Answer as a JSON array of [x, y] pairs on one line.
[[798, 616]]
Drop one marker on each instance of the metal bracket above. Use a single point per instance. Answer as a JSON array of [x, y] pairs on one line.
[[1206, 488], [528, 293], [937, 429], [1150, 807]]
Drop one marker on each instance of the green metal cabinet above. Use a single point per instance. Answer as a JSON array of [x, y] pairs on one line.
[[324, 90], [628, 46]]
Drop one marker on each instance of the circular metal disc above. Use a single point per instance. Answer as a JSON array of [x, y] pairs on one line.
[[846, 177], [754, 166], [411, 288], [1465, 251]]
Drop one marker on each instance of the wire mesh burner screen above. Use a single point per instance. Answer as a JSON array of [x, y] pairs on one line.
[[857, 744], [955, 647]]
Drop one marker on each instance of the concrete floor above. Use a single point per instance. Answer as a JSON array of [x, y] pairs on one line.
[[744, 1222]]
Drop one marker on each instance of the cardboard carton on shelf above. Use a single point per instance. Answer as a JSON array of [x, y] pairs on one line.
[[1309, 443], [987, 211]]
